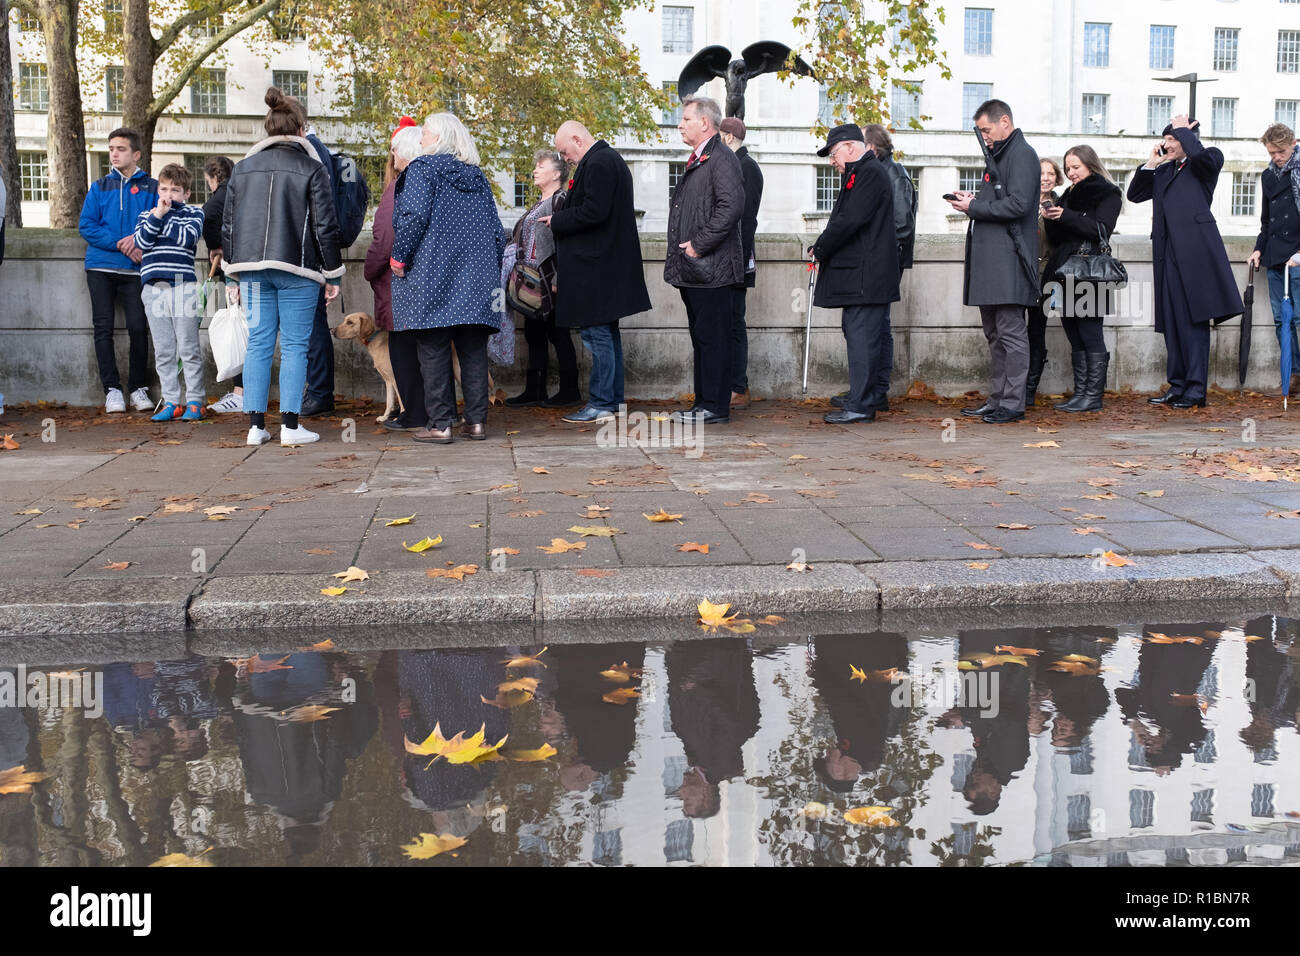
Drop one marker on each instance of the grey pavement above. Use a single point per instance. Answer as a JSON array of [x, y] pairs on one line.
[[903, 513]]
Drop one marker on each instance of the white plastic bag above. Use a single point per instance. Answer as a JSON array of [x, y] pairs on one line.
[[228, 336]]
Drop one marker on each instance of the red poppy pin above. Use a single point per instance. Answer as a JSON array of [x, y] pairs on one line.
[[986, 177], [852, 178], [703, 157], [134, 190], [570, 183]]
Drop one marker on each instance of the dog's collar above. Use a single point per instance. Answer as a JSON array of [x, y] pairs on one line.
[[365, 340]]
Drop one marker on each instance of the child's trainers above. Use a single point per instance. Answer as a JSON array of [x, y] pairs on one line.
[[297, 436], [193, 412], [258, 436], [169, 412]]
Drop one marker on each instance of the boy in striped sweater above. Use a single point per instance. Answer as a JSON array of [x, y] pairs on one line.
[[168, 235]]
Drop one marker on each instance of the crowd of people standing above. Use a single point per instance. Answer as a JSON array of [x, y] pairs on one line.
[[448, 279]]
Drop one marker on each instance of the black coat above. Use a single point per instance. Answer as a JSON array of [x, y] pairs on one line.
[[212, 210], [597, 249], [1001, 247], [904, 209], [279, 213], [1182, 225], [707, 206], [857, 253], [1279, 230], [1085, 205], [753, 177]]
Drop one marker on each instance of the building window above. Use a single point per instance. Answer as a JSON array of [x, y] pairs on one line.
[[828, 187], [35, 176], [199, 192], [973, 95], [99, 166], [1261, 800], [1288, 51], [1096, 113], [1162, 48], [899, 24], [1285, 111], [904, 107], [208, 26], [675, 173], [29, 24], [970, 178], [1160, 110], [679, 24], [673, 115], [454, 101], [832, 110], [1202, 806], [1225, 48], [1223, 117], [33, 86], [291, 83], [1243, 194], [1078, 816], [1141, 809], [208, 93], [113, 21], [367, 93], [114, 76], [1096, 44], [979, 31]]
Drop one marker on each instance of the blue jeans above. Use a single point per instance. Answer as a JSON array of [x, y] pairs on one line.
[[282, 303], [605, 344], [1275, 289]]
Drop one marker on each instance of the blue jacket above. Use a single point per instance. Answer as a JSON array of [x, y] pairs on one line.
[[109, 214], [448, 235]]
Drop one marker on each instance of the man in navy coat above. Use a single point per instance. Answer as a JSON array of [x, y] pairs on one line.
[[1194, 285]]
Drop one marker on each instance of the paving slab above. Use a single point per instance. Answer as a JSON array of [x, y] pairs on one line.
[[95, 606]]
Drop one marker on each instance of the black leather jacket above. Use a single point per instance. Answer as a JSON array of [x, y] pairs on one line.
[[279, 213]]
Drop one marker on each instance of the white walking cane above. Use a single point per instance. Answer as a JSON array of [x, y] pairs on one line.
[[807, 334]]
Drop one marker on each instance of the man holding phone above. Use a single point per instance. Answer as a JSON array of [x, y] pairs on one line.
[[1001, 276], [1194, 285]]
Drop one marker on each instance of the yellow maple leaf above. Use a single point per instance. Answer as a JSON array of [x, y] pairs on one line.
[[19, 779], [393, 523], [1113, 560], [532, 756], [559, 546], [428, 845], [621, 673], [715, 615], [474, 750], [870, 817], [424, 544], [332, 592], [662, 515], [620, 695], [352, 574], [525, 660]]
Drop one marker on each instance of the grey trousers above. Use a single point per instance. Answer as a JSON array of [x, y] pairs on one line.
[[1007, 333], [173, 314]]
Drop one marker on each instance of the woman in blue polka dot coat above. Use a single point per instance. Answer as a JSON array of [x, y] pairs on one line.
[[446, 262]]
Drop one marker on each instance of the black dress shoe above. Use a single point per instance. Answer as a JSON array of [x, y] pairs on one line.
[[311, 408], [846, 417], [1001, 416], [1187, 403], [1168, 398], [399, 424], [700, 416], [980, 412], [837, 401]]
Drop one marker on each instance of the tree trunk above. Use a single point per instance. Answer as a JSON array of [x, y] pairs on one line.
[[13, 211], [66, 131], [137, 80]]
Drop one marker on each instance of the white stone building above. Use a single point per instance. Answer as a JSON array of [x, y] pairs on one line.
[[1073, 71]]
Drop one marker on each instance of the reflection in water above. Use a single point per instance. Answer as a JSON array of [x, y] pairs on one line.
[[1159, 744]]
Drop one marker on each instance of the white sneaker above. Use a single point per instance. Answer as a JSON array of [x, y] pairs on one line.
[[258, 436], [297, 436], [230, 402], [141, 401], [113, 401]]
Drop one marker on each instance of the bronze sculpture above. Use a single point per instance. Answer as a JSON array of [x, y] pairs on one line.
[[766, 56]]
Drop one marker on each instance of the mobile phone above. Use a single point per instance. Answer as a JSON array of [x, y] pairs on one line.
[[1163, 151], [1048, 204], [951, 197]]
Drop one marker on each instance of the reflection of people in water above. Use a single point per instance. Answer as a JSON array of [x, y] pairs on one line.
[[443, 688], [714, 709], [1080, 699], [1162, 708], [183, 697], [861, 711], [296, 768], [1269, 674], [601, 735], [1001, 739], [14, 735]]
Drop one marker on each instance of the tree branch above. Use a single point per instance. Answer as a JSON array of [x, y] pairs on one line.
[[183, 23], [24, 7], [172, 90]]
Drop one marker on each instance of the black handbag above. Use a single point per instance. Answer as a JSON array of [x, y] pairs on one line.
[[1099, 267]]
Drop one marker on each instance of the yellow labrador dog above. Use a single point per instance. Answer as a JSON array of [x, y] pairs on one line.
[[361, 326]]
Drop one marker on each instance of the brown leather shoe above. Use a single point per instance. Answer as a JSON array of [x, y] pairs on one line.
[[433, 436], [478, 432], [740, 399]]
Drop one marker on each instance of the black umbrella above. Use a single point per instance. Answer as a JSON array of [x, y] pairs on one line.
[[1243, 351]]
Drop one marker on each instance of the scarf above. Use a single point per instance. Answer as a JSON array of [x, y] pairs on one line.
[[1293, 167]]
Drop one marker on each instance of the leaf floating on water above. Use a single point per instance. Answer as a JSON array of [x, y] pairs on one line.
[[19, 779], [813, 810], [620, 695], [325, 645], [504, 700], [870, 817], [857, 674], [428, 845], [1020, 651], [309, 713], [715, 615], [181, 859], [258, 666], [621, 673], [532, 756], [525, 660], [424, 544]]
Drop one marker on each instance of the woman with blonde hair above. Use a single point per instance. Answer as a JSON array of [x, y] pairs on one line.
[[446, 264]]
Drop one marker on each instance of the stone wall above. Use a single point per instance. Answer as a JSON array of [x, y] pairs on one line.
[[46, 349]]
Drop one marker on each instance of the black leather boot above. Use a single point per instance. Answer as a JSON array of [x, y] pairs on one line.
[[568, 395], [1037, 359], [1094, 385], [534, 393], [1080, 362]]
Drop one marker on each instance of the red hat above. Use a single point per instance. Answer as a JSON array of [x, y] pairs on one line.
[[402, 124]]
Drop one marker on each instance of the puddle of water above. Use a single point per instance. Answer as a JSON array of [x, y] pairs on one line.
[[1167, 744]]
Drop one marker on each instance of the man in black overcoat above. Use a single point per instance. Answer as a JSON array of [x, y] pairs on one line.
[[599, 277], [1194, 285], [733, 134], [857, 261]]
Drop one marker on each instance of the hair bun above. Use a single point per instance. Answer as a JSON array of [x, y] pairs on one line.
[[274, 98]]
